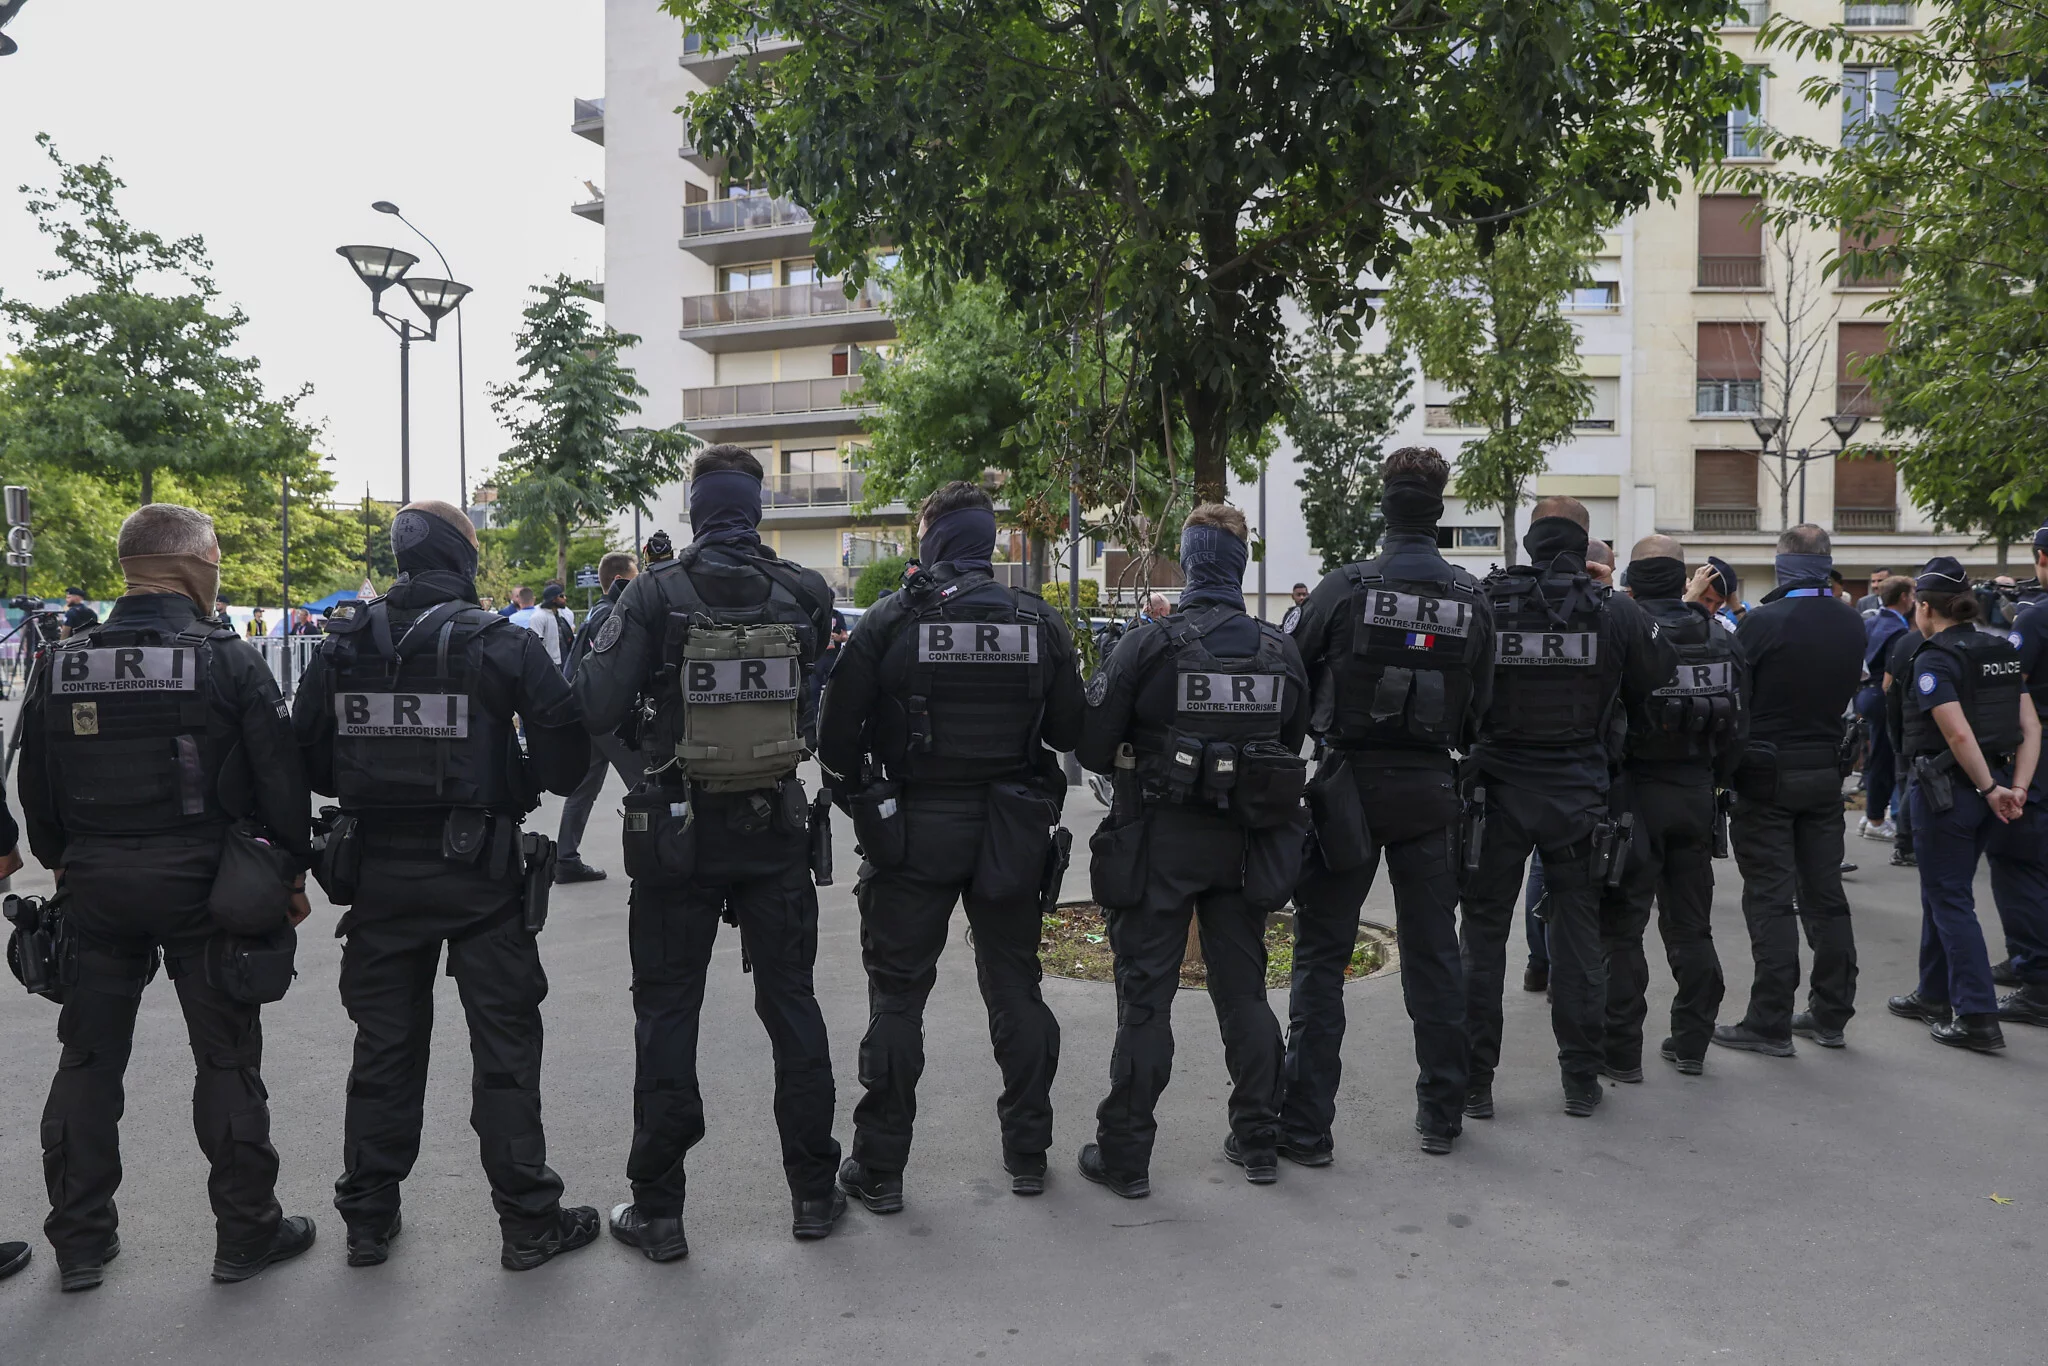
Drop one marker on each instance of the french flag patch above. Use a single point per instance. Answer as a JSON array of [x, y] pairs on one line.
[[1417, 640]]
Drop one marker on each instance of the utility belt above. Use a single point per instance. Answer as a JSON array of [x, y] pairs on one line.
[[1259, 783], [1934, 773], [1763, 763], [468, 837], [664, 820], [47, 958]]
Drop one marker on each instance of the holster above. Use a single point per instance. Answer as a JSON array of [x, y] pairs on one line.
[[338, 859], [1932, 772], [537, 856], [821, 838], [1720, 825], [464, 833], [1057, 856], [1621, 837], [1475, 829]]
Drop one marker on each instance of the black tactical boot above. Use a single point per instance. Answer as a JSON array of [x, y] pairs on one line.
[[88, 1272], [659, 1237], [1027, 1172], [1804, 1026], [1978, 1033], [1435, 1141], [1631, 1075], [881, 1192], [1130, 1185], [1747, 1040], [294, 1235], [369, 1244], [1687, 1067], [1479, 1100], [1582, 1096], [1306, 1153], [1261, 1165], [575, 1226], [1914, 1006], [815, 1219]]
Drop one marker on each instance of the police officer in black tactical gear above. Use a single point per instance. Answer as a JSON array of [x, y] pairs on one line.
[[143, 739], [1199, 717], [1804, 648], [1568, 655], [717, 643], [1683, 742], [406, 717], [935, 731], [2018, 849], [1974, 739], [1399, 652]]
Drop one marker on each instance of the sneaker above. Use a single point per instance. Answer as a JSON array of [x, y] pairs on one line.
[[658, 1236], [575, 1226], [1848, 867], [881, 1192], [1130, 1185], [1877, 830], [1741, 1036], [1261, 1165], [370, 1244], [294, 1235], [13, 1257], [1687, 1067], [2028, 1005], [88, 1273], [576, 870], [1803, 1025], [1027, 1172]]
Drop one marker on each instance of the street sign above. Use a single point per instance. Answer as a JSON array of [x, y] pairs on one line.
[[586, 577], [21, 541], [17, 505]]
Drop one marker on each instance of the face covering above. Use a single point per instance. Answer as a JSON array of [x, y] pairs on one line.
[[195, 576], [1410, 505], [436, 561], [1213, 561], [1803, 569], [1657, 577], [964, 538], [1549, 537], [725, 507]]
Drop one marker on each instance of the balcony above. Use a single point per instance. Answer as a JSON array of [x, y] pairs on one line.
[[1877, 16], [713, 67], [1724, 519], [1867, 519], [1857, 399], [589, 121], [747, 412], [1732, 272], [725, 231], [791, 315], [832, 488], [592, 209]]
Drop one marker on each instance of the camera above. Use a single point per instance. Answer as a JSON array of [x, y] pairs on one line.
[[22, 602]]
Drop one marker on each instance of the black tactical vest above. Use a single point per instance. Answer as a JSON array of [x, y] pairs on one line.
[[1232, 699], [410, 725], [971, 654], [1556, 668], [1414, 653], [139, 729], [1989, 690], [1694, 715]]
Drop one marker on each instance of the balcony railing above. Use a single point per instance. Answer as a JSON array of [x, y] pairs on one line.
[[832, 488], [1877, 16], [783, 397], [1731, 272], [1857, 399], [1724, 519], [719, 216], [1716, 397], [1866, 519], [697, 44], [824, 300]]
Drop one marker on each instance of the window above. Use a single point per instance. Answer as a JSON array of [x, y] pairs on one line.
[[1856, 15], [693, 193], [1731, 241], [1870, 95], [1729, 369], [1606, 404], [1437, 399], [1754, 12], [1867, 273], [801, 271], [847, 359], [1741, 129], [1468, 538], [1856, 342], [1724, 490], [1602, 296], [1866, 495], [734, 278]]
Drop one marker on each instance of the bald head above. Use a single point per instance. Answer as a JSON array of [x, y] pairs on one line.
[[1658, 548], [1599, 552], [1558, 505]]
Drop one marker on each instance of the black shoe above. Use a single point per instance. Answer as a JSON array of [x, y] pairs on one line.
[[1749, 1041], [1803, 1025], [2028, 1005], [659, 1237], [1582, 1096], [1434, 1141], [1027, 1172], [369, 1244], [881, 1192], [1130, 1185], [87, 1275], [576, 870], [13, 1257], [2006, 975], [1535, 978], [1848, 867], [1687, 1067], [1320, 1154], [1914, 1006], [1978, 1033], [294, 1235], [1903, 858], [1479, 1100], [816, 1218], [1261, 1165], [575, 1226], [1631, 1075]]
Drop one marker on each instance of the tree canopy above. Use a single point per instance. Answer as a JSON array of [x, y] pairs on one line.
[[1344, 406]]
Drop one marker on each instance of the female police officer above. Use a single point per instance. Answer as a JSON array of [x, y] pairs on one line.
[[1967, 717]]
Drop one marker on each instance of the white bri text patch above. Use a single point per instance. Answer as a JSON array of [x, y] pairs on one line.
[[977, 642], [137, 668], [1573, 649], [1697, 680], [1231, 692], [1412, 612], [707, 681], [403, 715]]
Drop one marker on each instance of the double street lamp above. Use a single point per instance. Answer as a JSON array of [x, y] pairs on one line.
[[380, 268], [1843, 425]]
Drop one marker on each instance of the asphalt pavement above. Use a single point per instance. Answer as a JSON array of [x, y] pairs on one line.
[[1832, 1207]]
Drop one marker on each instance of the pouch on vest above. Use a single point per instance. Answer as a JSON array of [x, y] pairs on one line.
[[660, 842], [1338, 815], [1274, 857], [1116, 864], [740, 686], [252, 889], [1219, 772], [1011, 864], [255, 970], [879, 825], [338, 866], [464, 832], [1270, 781]]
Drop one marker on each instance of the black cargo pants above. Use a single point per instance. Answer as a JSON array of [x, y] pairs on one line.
[[1789, 848], [904, 915], [1670, 863]]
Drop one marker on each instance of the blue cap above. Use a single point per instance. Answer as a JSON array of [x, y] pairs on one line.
[[2041, 539], [1943, 574], [1726, 582]]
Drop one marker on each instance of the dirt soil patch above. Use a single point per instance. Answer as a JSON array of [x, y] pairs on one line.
[[1074, 942]]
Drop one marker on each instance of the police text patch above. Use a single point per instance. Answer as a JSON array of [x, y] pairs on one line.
[[1206, 692], [708, 681], [137, 668], [1697, 680], [977, 642], [1572, 649], [1412, 612], [402, 715]]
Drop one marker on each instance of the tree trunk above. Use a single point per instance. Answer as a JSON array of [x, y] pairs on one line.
[[1036, 542], [148, 485], [1209, 431], [562, 553], [2004, 553], [1509, 524]]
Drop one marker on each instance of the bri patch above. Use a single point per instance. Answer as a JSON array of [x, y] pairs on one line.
[[1207, 692], [1414, 612], [721, 681], [127, 669], [976, 642], [1570, 649]]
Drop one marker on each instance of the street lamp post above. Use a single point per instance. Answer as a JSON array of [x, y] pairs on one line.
[[1768, 429], [461, 381], [379, 268]]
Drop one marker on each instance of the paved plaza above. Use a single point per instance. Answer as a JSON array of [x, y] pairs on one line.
[[1828, 1208]]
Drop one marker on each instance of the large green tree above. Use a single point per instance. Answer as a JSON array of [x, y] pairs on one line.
[[1172, 174], [1344, 406], [1946, 192], [574, 462], [1486, 319]]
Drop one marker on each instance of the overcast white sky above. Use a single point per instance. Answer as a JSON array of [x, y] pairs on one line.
[[268, 126]]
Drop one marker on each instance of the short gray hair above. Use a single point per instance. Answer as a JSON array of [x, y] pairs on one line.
[[165, 529], [1805, 539]]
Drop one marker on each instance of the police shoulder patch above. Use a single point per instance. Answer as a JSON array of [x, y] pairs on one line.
[[607, 634], [2014, 638], [1098, 687], [1927, 683]]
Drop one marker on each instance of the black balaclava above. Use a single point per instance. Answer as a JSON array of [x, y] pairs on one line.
[[1410, 504], [1550, 537], [1657, 576], [725, 508], [1213, 560], [436, 558], [964, 538]]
